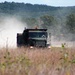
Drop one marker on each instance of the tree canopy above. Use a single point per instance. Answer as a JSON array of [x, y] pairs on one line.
[[71, 23]]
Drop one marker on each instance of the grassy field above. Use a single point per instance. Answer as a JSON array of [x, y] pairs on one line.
[[37, 61]]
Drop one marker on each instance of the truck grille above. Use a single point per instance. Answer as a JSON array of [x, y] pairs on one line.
[[41, 43]]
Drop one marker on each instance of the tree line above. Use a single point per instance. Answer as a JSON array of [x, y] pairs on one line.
[[42, 15]]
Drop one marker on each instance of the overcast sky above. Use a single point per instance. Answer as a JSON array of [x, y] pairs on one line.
[[46, 2]]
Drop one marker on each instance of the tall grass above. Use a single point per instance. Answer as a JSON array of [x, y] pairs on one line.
[[37, 61]]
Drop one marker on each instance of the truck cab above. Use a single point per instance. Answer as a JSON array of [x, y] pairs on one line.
[[32, 37]]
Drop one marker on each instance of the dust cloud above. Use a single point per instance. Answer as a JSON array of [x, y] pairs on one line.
[[9, 27]]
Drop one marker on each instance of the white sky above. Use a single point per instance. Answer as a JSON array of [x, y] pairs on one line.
[[47, 2]]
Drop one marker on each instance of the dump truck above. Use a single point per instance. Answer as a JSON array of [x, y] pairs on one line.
[[32, 37]]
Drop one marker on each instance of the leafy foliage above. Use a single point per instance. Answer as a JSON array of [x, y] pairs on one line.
[[32, 10], [47, 20], [71, 23]]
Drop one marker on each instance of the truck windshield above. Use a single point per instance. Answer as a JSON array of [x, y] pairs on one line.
[[37, 34]]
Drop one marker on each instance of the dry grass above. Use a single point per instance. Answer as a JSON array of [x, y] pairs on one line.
[[37, 61]]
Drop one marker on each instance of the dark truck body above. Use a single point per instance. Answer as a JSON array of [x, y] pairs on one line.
[[32, 37]]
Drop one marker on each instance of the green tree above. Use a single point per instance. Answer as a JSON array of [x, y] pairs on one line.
[[31, 22], [47, 20], [71, 23]]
